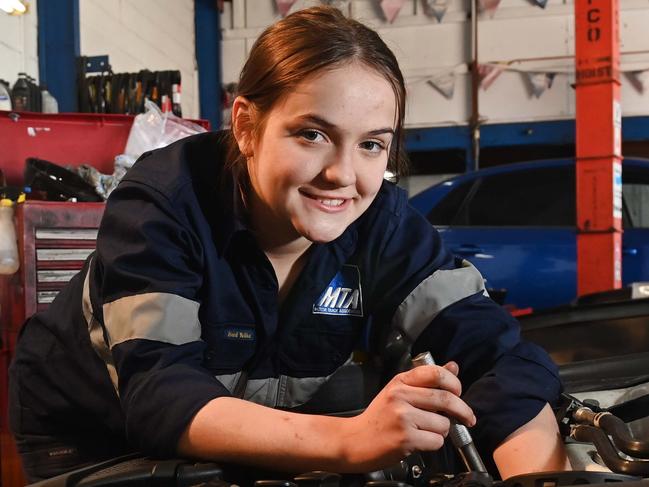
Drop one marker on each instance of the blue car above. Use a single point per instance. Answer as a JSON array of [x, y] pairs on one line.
[[517, 224]]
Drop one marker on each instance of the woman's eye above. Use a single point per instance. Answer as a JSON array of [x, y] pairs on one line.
[[372, 146], [312, 135]]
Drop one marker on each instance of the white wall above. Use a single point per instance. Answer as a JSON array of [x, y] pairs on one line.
[[19, 44], [144, 34], [518, 30]]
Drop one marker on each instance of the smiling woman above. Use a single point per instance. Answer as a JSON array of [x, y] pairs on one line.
[[238, 274], [316, 167]]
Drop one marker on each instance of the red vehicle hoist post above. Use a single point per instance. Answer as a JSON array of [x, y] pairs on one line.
[[599, 141]]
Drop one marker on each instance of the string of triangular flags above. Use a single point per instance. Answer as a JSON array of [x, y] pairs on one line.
[[444, 81], [391, 8], [537, 81], [540, 80], [284, 6]]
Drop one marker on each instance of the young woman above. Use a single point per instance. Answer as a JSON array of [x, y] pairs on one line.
[[236, 274]]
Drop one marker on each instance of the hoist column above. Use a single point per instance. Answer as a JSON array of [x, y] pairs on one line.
[[599, 146]]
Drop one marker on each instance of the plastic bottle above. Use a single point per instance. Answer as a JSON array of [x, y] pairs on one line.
[[176, 107], [20, 94], [35, 98], [9, 262], [175, 94], [50, 105], [5, 96]]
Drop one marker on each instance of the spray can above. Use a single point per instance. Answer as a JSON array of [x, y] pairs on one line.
[[9, 262]]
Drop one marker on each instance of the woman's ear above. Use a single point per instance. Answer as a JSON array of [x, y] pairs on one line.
[[242, 125]]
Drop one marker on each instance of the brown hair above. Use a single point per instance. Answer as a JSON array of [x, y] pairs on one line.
[[309, 40]]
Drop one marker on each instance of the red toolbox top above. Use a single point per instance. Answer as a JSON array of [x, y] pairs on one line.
[[68, 139]]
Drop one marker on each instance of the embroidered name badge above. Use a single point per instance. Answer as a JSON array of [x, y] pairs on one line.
[[239, 333], [343, 295]]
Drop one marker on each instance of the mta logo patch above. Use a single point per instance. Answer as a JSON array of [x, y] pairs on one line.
[[343, 295]]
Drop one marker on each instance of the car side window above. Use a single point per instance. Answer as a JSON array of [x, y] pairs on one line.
[[635, 192], [444, 212], [538, 197]]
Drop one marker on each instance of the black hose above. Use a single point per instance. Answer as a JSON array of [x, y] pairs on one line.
[[617, 429], [610, 456], [622, 437]]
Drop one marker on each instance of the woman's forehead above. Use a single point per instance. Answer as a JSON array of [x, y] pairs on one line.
[[351, 93]]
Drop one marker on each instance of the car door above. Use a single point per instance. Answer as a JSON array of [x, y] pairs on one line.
[[635, 247], [518, 229]]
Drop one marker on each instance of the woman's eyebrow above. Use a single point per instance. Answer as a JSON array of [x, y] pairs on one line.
[[386, 130], [318, 120]]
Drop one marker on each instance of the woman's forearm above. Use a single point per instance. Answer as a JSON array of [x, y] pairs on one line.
[[537, 446], [410, 413], [234, 430]]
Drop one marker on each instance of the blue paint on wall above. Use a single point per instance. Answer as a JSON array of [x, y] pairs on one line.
[[208, 57], [557, 132], [58, 50]]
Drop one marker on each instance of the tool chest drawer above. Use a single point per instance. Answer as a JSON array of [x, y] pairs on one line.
[[54, 239]]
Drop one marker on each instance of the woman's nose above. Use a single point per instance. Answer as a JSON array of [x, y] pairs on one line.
[[339, 170]]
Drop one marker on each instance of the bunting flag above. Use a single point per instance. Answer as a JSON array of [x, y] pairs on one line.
[[339, 4], [539, 82], [391, 8], [444, 83], [488, 74], [490, 6], [284, 6], [436, 8], [540, 3], [638, 79]]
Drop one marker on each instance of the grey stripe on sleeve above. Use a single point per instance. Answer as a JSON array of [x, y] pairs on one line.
[[440, 290], [96, 331], [283, 391], [162, 317]]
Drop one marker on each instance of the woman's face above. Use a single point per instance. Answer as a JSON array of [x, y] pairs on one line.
[[320, 160]]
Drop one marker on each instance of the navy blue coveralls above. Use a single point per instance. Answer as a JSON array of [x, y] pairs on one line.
[[178, 306]]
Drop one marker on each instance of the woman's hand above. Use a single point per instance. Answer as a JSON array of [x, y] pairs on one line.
[[410, 413]]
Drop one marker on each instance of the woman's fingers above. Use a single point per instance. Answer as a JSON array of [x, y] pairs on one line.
[[452, 367], [441, 402], [432, 376], [435, 389], [431, 422], [427, 441], [414, 411]]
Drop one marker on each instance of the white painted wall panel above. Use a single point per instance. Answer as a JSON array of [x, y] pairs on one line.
[[527, 37], [427, 107], [144, 34], [510, 99], [633, 28], [234, 52], [19, 44], [434, 47]]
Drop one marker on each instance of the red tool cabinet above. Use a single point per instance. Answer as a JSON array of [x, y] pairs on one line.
[[54, 238]]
